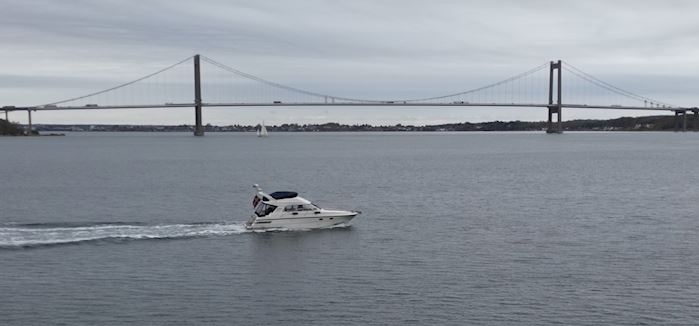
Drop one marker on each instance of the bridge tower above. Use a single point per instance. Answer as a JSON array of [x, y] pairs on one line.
[[198, 129], [680, 120], [555, 127]]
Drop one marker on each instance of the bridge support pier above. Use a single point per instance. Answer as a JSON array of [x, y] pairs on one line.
[[681, 120], [557, 126], [554, 126], [198, 128], [29, 124]]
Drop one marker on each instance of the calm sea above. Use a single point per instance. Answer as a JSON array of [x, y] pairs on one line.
[[457, 229]]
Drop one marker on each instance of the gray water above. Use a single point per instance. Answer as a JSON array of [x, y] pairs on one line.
[[457, 229]]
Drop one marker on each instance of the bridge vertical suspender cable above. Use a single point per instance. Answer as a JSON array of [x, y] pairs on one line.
[[521, 90]]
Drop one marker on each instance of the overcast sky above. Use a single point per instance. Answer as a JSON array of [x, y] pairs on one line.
[[52, 50]]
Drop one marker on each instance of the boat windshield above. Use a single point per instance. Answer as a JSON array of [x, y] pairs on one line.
[[298, 208], [264, 209]]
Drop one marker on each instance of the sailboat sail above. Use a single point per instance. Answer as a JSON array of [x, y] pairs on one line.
[[262, 132]]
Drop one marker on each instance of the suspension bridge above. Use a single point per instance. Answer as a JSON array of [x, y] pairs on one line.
[[189, 82]]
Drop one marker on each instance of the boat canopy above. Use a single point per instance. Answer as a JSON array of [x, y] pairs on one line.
[[283, 194]]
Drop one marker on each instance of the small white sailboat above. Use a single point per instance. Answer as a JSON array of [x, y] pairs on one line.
[[262, 131]]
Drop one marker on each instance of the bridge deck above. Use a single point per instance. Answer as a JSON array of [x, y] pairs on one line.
[[396, 104]]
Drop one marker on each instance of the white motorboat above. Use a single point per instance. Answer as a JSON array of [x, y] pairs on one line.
[[285, 210]]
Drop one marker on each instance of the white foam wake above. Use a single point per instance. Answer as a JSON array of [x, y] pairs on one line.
[[38, 235]]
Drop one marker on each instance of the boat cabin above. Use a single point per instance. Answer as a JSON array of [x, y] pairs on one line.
[[266, 204]]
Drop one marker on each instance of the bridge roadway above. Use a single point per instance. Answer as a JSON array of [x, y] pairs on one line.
[[378, 103], [553, 126]]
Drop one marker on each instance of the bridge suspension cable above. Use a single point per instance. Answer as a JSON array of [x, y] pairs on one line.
[[238, 88], [471, 91], [281, 86], [611, 88], [121, 85], [520, 88]]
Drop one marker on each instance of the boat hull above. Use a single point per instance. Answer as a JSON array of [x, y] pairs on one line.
[[299, 223]]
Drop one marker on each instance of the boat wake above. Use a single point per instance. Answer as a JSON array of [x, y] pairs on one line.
[[37, 234]]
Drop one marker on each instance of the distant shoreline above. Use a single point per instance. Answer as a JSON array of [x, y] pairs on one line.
[[647, 123]]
